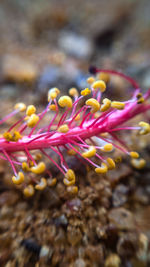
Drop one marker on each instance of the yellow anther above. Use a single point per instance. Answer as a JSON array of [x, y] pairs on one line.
[[73, 92], [42, 184], [53, 93], [90, 80], [52, 107], [32, 121], [104, 76], [90, 152], [77, 118], [134, 155], [65, 101], [94, 104], [118, 159], [63, 128], [72, 190], [19, 179], [138, 163], [51, 182], [70, 175], [117, 105], [29, 191], [145, 128], [31, 109], [16, 136], [140, 100], [139, 95], [99, 85], [107, 148], [68, 183], [102, 169], [85, 92], [110, 164], [20, 106], [7, 136], [25, 167], [106, 104], [39, 168]]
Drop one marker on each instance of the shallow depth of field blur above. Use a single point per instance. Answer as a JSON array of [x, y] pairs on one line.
[[46, 44]]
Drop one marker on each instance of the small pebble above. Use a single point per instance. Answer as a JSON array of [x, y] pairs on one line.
[[76, 45], [122, 218]]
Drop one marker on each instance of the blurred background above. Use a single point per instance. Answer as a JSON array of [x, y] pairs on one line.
[[53, 43]]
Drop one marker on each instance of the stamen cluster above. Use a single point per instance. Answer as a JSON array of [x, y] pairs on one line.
[[86, 131]]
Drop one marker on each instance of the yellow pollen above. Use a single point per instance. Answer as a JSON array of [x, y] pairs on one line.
[[138, 163], [106, 105], [41, 185], [32, 120], [69, 178], [110, 164], [20, 106], [145, 128], [107, 148], [7, 136], [65, 101], [16, 136], [90, 80], [117, 105], [118, 159], [94, 104], [73, 92], [85, 92], [19, 179], [25, 167], [104, 76], [140, 100], [29, 191], [90, 152], [52, 107], [139, 95], [68, 183], [134, 155], [30, 110], [102, 169], [70, 175], [53, 93], [40, 168], [63, 128], [99, 85]]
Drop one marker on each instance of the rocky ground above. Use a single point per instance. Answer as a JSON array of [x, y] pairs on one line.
[[53, 43]]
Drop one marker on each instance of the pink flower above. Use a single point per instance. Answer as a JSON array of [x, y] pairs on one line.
[[87, 132]]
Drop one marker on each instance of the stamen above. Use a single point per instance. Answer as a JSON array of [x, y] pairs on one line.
[[19, 179], [93, 103], [30, 110], [41, 185]]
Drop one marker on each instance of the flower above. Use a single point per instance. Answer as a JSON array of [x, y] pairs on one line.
[[87, 132]]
